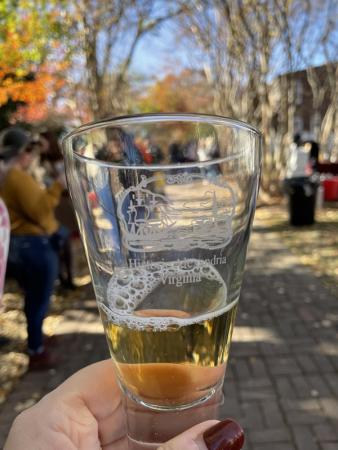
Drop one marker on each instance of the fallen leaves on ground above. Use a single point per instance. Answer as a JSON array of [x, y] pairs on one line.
[[315, 245], [13, 334], [12, 366]]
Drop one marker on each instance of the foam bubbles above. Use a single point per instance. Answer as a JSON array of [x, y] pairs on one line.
[[129, 287]]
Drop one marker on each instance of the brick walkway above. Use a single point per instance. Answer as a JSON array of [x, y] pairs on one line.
[[282, 380]]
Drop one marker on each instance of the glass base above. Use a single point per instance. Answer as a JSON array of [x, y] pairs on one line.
[[172, 408], [148, 427]]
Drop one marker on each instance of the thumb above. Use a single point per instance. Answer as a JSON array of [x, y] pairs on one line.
[[210, 435]]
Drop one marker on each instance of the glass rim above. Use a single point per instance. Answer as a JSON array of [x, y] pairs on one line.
[[157, 118]]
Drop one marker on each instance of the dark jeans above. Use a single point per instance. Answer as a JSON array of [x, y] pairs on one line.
[[33, 262], [60, 241]]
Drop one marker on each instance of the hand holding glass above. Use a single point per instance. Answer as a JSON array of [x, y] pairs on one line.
[[164, 205]]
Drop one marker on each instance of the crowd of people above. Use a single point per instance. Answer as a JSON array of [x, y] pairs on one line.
[[31, 190], [31, 185]]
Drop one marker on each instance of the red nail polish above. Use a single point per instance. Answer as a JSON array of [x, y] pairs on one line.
[[225, 435]]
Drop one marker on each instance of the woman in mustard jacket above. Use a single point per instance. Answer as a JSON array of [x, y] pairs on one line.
[[32, 258]]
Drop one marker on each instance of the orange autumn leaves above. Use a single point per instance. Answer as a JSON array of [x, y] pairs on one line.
[[27, 75], [185, 91]]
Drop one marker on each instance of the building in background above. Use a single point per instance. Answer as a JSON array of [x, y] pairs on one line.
[[314, 110]]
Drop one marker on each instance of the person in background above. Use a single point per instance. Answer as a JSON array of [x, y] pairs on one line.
[[65, 215], [156, 153], [46, 166], [32, 259], [4, 244], [312, 148], [176, 153], [39, 146], [143, 147], [299, 161]]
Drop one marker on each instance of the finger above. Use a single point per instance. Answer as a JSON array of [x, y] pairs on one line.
[[210, 435], [191, 439], [96, 386]]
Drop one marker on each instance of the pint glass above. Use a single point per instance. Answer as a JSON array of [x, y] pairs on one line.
[[164, 204]]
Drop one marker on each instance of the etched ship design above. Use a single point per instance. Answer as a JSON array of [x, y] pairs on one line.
[[151, 222], [213, 229], [150, 218]]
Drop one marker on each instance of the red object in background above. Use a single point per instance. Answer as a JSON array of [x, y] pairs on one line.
[[92, 197], [144, 150], [330, 189]]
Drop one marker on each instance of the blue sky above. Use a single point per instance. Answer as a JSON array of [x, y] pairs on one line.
[[161, 52]]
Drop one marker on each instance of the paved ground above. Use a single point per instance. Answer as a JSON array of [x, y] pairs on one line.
[[282, 381], [283, 374]]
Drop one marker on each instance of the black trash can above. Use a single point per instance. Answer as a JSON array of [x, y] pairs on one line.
[[302, 200]]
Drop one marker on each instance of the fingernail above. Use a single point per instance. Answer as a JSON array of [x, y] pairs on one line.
[[225, 435]]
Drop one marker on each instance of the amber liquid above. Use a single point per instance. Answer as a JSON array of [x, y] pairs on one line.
[[175, 367]]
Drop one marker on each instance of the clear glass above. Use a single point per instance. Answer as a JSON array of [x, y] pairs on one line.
[[165, 204]]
